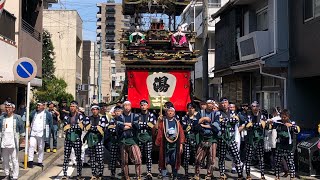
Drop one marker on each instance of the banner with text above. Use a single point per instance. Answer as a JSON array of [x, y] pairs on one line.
[[173, 86]]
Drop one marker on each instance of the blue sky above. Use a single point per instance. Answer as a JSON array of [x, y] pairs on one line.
[[87, 11]]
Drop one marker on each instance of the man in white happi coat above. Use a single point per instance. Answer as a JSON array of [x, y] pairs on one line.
[[41, 123], [12, 129]]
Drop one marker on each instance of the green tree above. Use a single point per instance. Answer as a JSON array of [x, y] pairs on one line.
[[48, 67], [53, 90]]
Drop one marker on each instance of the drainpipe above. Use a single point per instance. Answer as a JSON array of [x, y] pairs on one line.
[[275, 30], [279, 77]]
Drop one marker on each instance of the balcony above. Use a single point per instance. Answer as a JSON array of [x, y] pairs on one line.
[[7, 24], [198, 68], [98, 15], [110, 33], [98, 23], [213, 8], [110, 18], [254, 45], [78, 69], [110, 11], [31, 31], [98, 30], [110, 26], [30, 44], [198, 24]]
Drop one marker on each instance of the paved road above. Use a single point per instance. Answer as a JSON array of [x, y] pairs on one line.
[[55, 172]]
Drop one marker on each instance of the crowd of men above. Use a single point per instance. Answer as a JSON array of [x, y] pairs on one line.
[[213, 131]]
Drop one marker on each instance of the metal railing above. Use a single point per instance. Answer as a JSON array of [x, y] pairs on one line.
[[214, 5], [26, 27]]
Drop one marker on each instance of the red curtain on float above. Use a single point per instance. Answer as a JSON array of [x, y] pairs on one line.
[[138, 88]]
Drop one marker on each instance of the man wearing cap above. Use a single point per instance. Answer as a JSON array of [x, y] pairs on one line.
[[188, 122], [12, 129], [128, 130], [41, 124], [255, 127], [170, 139], [146, 122], [73, 126], [227, 142], [209, 131], [112, 136], [54, 130], [95, 126]]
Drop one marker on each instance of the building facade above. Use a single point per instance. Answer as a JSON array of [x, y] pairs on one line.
[[65, 27], [21, 26], [252, 51], [198, 17], [110, 22], [304, 74]]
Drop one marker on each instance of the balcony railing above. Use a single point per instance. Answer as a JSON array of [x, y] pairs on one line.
[[214, 5], [31, 31]]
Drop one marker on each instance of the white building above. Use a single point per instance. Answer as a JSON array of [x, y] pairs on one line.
[[195, 17]]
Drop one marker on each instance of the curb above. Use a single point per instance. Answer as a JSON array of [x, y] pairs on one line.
[[36, 170]]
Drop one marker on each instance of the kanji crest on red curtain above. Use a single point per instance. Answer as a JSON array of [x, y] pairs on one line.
[[173, 86]]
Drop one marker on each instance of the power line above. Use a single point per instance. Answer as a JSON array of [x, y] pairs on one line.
[[66, 24]]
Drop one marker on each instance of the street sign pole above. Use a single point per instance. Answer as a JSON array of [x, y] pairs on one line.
[[25, 69], [27, 126]]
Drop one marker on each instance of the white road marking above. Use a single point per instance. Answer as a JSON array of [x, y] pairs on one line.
[[255, 172], [69, 173]]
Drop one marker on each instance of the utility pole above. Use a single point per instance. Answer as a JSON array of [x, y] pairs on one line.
[[100, 72], [205, 45]]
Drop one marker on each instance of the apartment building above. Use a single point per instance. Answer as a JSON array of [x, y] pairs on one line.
[[110, 22], [21, 26], [65, 27]]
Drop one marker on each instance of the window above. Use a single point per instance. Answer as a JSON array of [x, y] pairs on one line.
[[113, 70], [268, 99], [311, 9], [262, 19]]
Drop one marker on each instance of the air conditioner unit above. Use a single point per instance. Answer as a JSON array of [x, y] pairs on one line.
[[253, 45]]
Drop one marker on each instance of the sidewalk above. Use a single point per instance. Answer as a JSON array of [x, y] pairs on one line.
[[48, 159]]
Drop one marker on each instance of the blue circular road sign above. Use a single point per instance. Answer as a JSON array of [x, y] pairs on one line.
[[25, 69]]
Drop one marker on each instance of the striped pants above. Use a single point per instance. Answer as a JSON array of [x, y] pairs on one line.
[[206, 150], [233, 151], [188, 149], [259, 149], [96, 159], [133, 153], [289, 157], [114, 157], [68, 145], [146, 148]]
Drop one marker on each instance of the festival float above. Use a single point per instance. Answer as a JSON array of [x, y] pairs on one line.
[[158, 54]]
